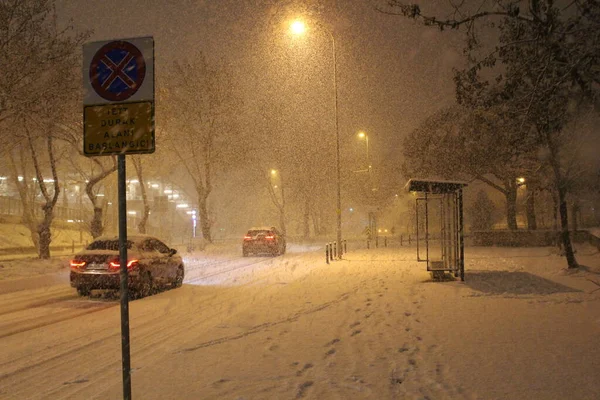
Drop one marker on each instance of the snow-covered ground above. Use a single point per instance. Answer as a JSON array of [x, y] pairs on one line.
[[371, 326]]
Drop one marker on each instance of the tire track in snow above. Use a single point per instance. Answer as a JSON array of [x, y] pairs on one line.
[[261, 327], [40, 322]]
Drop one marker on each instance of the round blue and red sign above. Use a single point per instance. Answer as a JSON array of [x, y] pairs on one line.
[[117, 70]]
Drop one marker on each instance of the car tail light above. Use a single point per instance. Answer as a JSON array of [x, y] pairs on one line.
[[114, 265], [247, 237], [77, 264], [270, 237]]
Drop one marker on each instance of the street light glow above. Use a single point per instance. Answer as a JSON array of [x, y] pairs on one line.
[[362, 135], [298, 27]]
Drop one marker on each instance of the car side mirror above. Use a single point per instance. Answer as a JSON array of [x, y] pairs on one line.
[[172, 251]]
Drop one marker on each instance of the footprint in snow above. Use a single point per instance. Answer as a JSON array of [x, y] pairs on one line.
[[306, 366], [302, 388], [330, 352]]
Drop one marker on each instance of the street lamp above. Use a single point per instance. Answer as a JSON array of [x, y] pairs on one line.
[[298, 27], [363, 135], [278, 204]]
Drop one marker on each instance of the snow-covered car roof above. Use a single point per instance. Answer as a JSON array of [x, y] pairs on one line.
[[263, 228], [136, 238]]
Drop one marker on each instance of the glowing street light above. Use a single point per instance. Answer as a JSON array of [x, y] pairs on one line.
[[363, 135], [298, 28]]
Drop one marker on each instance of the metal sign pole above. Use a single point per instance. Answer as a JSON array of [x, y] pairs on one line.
[[123, 274]]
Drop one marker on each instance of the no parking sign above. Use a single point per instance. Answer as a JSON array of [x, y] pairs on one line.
[[118, 101]]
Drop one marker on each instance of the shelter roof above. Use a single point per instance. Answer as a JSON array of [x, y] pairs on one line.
[[434, 186]]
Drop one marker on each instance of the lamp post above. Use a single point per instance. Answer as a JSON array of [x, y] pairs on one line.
[[363, 135], [299, 28], [280, 205]]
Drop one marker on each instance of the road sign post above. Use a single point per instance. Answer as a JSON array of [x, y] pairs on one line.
[[118, 119]]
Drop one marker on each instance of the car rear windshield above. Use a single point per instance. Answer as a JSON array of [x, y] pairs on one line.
[[259, 232], [107, 245]]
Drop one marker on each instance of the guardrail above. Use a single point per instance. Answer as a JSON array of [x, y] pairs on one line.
[[8, 251]]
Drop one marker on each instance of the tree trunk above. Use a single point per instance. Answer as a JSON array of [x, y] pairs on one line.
[[530, 210], [96, 228], [43, 228], [44, 234], [306, 219], [282, 212], [511, 206], [564, 229], [137, 163], [145, 215], [565, 237], [316, 226], [97, 224], [205, 225], [282, 222]]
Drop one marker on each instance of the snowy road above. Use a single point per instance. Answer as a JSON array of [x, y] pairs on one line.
[[372, 326]]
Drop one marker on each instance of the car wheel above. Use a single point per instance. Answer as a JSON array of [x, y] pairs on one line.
[[81, 291], [179, 277], [145, 285]]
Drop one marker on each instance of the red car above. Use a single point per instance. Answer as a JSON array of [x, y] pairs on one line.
[[263, 240], [151, 264]]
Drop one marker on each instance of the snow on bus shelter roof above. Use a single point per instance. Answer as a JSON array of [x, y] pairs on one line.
[[433, 186]]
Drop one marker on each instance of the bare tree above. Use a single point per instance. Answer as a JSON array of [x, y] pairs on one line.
[[31, 46], [137, 164], [461, 144], [35, 58], [543, 63], [198, 105]]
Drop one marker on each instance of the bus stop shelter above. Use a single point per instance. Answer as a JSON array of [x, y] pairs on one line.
[[440, 225]]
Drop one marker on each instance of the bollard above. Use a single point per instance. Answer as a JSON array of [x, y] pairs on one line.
[[335, 249], [385, 242], [331, 251], [345, 246], [409, 239], [327, 253], [377, 242], [368, 244], [401, 244]]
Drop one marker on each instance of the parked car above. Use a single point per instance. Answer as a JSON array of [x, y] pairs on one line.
[[263, 240], [150, 264]]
